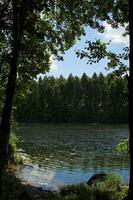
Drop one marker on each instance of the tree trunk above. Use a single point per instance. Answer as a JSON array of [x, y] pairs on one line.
[[130, 88], [10, 91]]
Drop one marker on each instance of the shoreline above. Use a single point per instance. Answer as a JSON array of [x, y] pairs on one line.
[[16, 190]]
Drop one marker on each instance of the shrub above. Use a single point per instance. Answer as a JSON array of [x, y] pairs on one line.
[[110, 189]]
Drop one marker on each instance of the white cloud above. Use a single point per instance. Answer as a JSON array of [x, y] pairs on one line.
[[115, 35], [53, 64]]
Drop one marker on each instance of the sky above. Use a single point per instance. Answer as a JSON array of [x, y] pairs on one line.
[[76, 66]]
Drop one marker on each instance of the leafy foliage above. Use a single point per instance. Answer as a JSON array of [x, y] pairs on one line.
[[123, 146], [97, 50], [110, 189]]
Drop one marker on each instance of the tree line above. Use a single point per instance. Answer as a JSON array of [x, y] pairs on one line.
[[99, 99]]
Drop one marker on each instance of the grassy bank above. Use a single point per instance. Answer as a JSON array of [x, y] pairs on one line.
[[110, 189]]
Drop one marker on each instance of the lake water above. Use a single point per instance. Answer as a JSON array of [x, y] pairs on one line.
[[64, 154]]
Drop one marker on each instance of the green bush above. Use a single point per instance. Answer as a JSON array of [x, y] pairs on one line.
[[13, 140], [14, 156], [12, 147], [110, 189], [123, 146]]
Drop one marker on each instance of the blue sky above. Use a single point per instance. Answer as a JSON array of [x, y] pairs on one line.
[[77, 67]]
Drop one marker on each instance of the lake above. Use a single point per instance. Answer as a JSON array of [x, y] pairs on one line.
[[64, 154]]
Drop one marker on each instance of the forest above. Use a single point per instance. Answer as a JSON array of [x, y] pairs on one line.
[[99, 99]]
